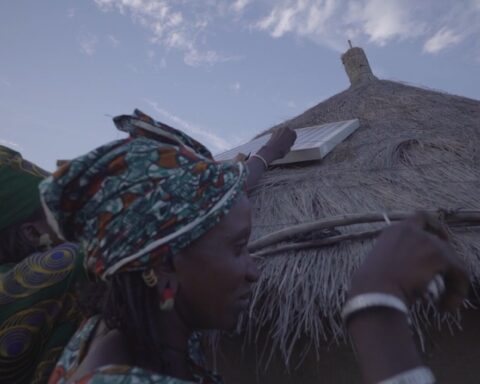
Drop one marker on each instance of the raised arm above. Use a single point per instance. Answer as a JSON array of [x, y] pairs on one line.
[[276, 148], [405, 260]]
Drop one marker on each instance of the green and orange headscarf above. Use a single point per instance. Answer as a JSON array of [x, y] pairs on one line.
[[19, 179], [142, 199]]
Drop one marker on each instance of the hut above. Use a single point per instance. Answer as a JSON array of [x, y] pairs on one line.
[[416, 148]]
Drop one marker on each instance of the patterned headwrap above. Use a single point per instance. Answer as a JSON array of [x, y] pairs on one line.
[[138, 200], [19, 180]]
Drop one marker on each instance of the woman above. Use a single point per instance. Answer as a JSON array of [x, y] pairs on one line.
[[142, 207], [23, 229], [38, 311], [166, 228]]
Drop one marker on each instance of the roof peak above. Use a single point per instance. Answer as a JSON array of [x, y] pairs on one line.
[[357, 66]]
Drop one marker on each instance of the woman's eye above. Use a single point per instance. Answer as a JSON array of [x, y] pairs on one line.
[[240, 248]]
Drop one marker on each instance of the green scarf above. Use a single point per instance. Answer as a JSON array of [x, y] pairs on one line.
[[19, 179]]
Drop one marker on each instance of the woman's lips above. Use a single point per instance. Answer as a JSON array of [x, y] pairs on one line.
[[244, 300]]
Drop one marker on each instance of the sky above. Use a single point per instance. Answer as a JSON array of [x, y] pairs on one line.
[[220, 70]]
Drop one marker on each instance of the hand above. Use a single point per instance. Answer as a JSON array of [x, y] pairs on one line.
[[279, 144], [406, 257]]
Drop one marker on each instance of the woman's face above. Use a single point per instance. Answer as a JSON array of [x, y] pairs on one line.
[[216, 272]]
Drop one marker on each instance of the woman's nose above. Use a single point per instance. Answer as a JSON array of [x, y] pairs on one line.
[[253, 273]]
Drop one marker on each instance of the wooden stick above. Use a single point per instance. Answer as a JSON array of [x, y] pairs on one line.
[[316, 243], [361, 218]]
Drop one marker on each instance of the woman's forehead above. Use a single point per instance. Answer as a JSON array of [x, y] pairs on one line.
[[236, 223]]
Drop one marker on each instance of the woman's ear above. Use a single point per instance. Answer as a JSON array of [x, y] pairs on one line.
[[37, 235], [167, 284], [30, 234]]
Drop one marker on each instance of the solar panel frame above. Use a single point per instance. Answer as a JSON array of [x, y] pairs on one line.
[[313, 143]]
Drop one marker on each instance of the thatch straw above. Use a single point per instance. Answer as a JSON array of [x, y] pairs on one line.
[[415, 150]]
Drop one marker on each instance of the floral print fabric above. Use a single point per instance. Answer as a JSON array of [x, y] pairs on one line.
[[121, 374], [135, 201]]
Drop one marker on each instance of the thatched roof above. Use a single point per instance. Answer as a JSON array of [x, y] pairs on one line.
[[415, 149]]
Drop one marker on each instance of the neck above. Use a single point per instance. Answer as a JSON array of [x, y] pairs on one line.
[[174, 331], [175, 334]]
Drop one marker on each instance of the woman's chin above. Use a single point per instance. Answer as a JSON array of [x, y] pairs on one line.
[[230, 322]]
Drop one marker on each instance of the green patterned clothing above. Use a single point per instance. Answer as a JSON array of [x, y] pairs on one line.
[[121, 374], [38, 313], [19, 179]]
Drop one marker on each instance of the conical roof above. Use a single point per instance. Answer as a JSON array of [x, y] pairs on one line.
[[386, 107], [415, 149]]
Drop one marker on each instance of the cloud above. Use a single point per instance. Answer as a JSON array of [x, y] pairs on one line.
[[88, 43], [291, 104], [5, 82], [11, 144], [71, 12], [309, 19], [158, 64], [332, 22], [458, 25], [113, 40], [133, 68], [186, 26], [235, 86], [441, 40], [239, 5], [384, 20], [211, 140], [162, 63], [379, 22], [175, 25]]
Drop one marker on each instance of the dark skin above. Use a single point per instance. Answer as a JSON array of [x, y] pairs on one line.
[[276, 148], [211, 288], [30, 233], [212, 281], [404, 260], [219, 261], [33, 230]]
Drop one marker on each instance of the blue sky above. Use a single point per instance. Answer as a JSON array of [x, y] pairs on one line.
[[220, 70]]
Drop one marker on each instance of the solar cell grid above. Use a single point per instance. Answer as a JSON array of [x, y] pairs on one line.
[[312, 142]]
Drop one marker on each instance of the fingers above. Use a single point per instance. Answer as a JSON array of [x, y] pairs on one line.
[[453, 271], [435, 226], [285, 132], [457, 285], [429, 223], [281, 141], [439, 257], [414, 255]]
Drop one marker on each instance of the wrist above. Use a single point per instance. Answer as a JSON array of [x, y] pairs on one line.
[[360, 286], [268, 154], [378, 315], [372, 301]]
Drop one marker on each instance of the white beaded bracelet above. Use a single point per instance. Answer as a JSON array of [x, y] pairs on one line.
[[371, 300], [262, 159], [419, 375]]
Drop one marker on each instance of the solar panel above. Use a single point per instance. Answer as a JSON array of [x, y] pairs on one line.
[[313, 143]]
